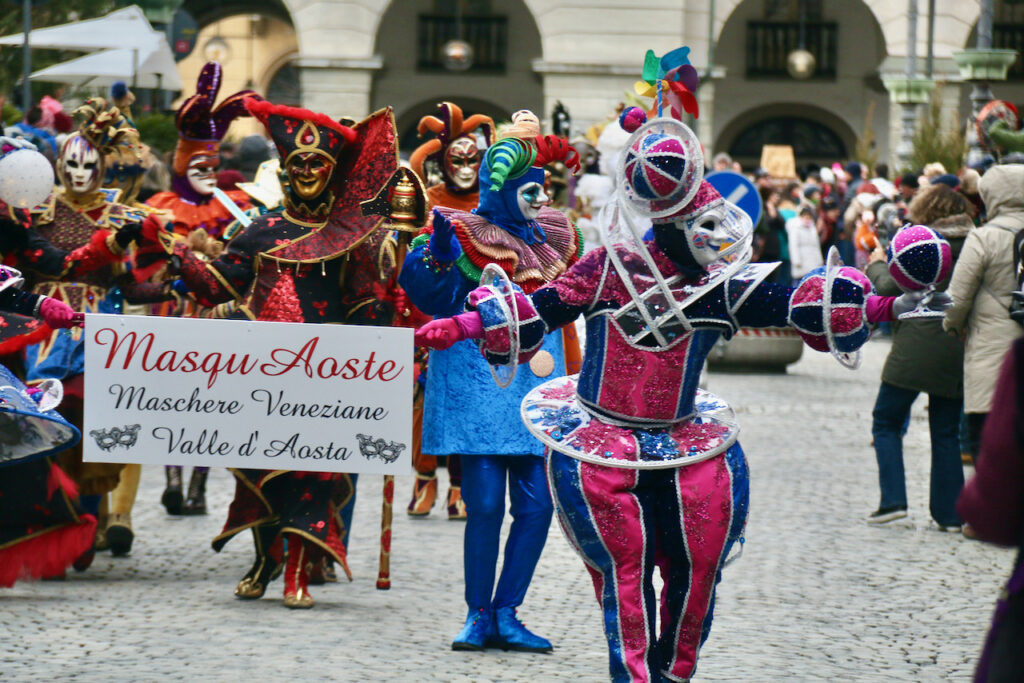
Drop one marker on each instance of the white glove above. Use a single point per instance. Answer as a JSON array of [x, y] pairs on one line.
[[938, 301], [907, 302]]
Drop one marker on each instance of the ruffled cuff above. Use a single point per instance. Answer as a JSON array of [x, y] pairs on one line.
[[496, 340]]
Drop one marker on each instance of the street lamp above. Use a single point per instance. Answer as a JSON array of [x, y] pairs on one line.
[[801, 63], [217, 50], [457, 54]]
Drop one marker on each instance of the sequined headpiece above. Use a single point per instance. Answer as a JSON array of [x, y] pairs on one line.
[[104, 127], [201, 126], [299, 131], [449, 126]]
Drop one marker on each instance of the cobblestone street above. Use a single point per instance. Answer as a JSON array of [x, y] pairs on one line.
[[817, 596]]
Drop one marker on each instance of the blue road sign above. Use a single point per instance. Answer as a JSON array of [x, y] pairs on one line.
[[735, 187]]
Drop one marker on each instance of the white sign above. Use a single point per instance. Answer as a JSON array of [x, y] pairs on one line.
[[261, 395]]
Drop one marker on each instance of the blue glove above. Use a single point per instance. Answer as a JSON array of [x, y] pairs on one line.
[[180, 287], [443, 244]]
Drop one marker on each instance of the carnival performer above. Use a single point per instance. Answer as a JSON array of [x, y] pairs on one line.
[[73, 253], [43, 530], [457, 153], [644, 466], [464, 413], [193, 206], [318, 261]]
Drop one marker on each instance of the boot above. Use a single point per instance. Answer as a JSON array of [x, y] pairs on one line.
[[196, 503], [296, 575], [172, 498], [265, 568], [424, 495], [512, 635], [478, 631], [456, 506], [120, 535]]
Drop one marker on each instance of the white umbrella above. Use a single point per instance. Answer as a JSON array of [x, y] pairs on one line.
[[123, 28], [151, 67]]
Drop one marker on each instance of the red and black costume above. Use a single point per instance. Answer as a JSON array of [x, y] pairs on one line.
[[319, 261]]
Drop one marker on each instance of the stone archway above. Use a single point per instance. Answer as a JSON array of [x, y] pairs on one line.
[[847, 97], [817, 135], [407, 42]]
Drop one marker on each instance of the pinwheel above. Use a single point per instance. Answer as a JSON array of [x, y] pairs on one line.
[[674, 76]]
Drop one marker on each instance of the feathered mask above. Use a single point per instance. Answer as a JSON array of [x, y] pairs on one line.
[[201, 126]]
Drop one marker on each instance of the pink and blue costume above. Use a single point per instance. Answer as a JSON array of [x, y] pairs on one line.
[[644, 466]]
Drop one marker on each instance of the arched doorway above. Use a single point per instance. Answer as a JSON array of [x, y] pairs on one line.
[[502, 81], [819, 114], [816, 135], [811, 141]]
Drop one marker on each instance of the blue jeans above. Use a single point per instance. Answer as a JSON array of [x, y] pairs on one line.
[[892, 408]]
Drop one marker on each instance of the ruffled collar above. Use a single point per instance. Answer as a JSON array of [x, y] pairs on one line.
[[211, 216], [529, 265]]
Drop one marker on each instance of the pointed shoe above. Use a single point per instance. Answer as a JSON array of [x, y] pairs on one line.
[[254, 584], [512, 635], [456, 506], [479, 629], [424, 495], [296, 576]]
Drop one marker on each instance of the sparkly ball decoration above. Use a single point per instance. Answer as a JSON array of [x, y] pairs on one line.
[[632, 118], [655, 166], [918, 258], [662, 167], [26, 178], [846, 317]]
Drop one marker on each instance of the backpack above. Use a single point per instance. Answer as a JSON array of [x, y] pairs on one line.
[[1016, 305]]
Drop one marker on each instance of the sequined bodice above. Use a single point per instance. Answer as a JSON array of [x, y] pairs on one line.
[[69, 230], [624, 381]]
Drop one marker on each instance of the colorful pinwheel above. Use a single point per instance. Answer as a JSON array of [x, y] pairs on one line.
[[676, 78]]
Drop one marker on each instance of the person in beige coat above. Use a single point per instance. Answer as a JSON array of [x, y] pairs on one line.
[[981, 285]]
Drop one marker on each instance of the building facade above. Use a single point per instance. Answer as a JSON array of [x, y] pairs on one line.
[[350, 57]]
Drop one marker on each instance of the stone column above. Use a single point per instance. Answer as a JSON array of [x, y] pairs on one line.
[[908, 93], [337, 87]]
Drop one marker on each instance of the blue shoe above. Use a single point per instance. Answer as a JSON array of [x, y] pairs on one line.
[[478, 630], [512, 635]]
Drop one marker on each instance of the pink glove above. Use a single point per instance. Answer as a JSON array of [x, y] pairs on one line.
[[439, 334], [57, 314], [443, 333]]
